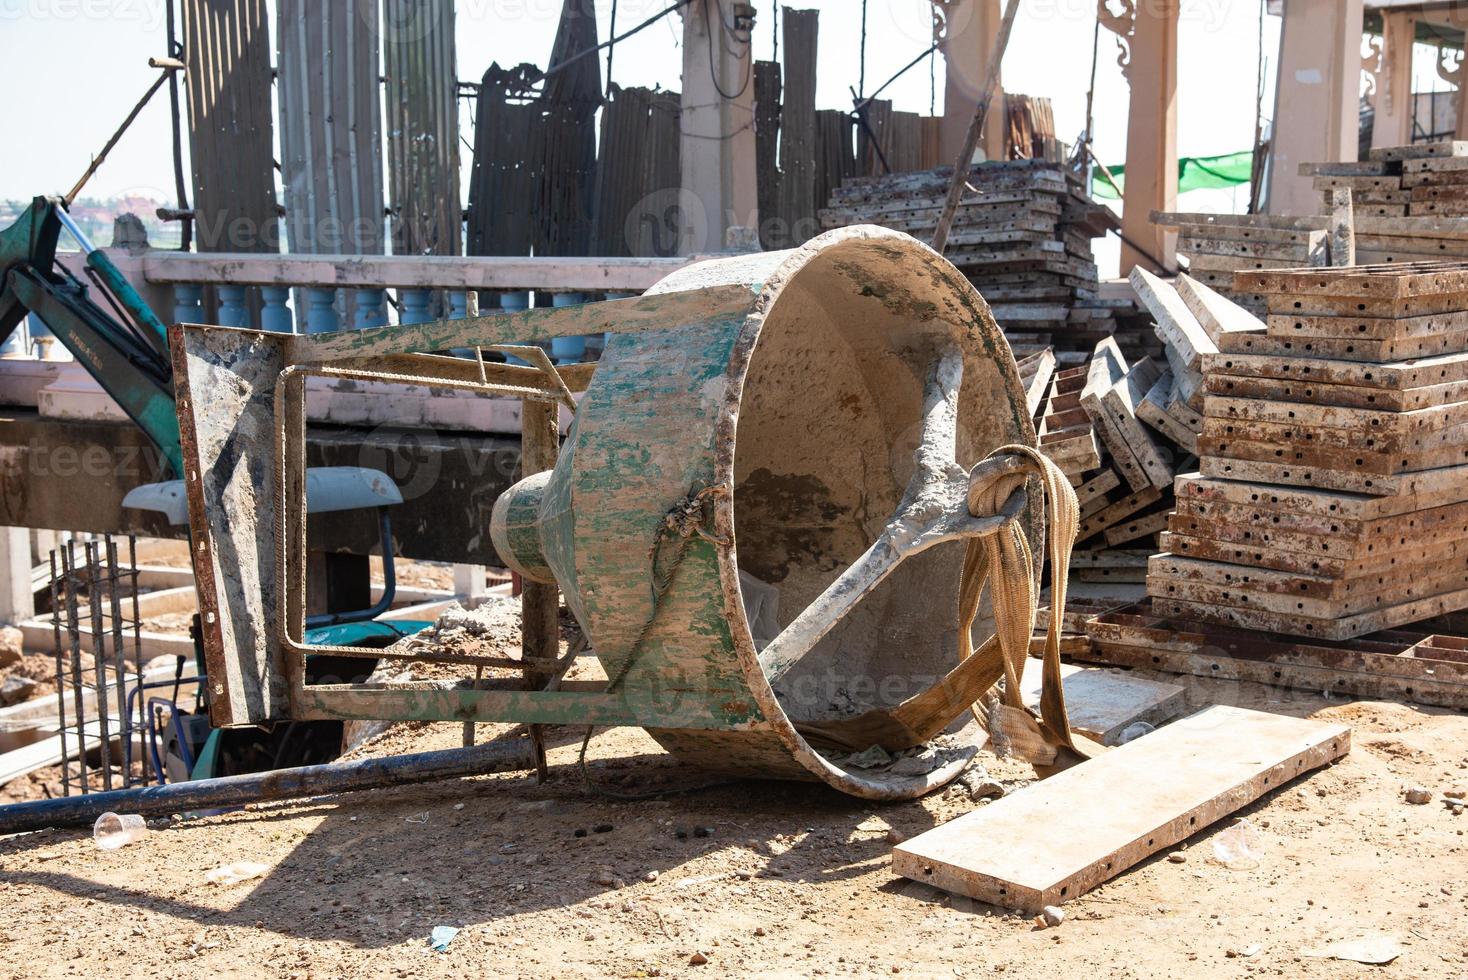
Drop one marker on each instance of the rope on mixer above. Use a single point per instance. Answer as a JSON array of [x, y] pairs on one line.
[[1004, 558], [1000, 557]]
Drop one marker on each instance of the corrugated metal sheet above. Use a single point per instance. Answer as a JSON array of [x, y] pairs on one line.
[[637, 161], [422, 126], [567, 136], [504, 178], [798, 129], [330, 125], [231, 142]]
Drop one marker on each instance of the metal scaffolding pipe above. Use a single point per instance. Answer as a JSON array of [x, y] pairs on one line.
[[280, 784]]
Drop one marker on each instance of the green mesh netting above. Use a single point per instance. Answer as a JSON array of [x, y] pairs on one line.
[[1193, 174]]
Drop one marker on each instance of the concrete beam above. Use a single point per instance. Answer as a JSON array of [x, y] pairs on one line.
[[1316, 115], [717, 148]]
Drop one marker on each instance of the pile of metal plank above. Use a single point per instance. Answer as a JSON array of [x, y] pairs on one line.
[[1089, 425], [1022, 234], [1420, 180], [1332, 498], [1219, 245], [1427, 664]]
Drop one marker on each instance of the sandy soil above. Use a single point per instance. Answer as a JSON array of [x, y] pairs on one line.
[[793, 880]]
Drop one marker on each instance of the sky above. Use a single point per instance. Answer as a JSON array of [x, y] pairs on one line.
[[88, 60]]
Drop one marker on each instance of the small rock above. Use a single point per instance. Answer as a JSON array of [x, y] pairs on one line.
[[15, 690], [12, 645], [1456, 793], [1051, 916], [1418, 795], [895, 836], [458, 806], [650, 876], [697, 959], [579, 832], [759, 930], [602, 828], [604, 877], [980, 785], [1177, 857], [703, 831]]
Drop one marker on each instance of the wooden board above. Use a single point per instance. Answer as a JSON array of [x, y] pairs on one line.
[[1057, 839], [1101, 704]]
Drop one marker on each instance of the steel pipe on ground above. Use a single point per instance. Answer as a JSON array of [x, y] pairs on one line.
[[280, 784]]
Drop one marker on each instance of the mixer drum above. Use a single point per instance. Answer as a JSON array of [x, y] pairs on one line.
[[720, 474]]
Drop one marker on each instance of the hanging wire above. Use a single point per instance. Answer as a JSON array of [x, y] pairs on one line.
[[713, 54], [644, 25], [933, 81], [862, 103], [176, 50], [775, 28], [861, 78], [612, 48]]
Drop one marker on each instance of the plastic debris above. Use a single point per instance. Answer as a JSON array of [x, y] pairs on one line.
[[233, 874], [1134, 731], [417, 818], [114, 830], [440, 937], [1239, 847], [1373, 950]]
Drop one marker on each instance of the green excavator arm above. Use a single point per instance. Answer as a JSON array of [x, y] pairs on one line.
[[127, 353]]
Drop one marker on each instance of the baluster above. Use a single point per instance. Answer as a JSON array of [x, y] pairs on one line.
[[232, 309], [416, 305], [371, 308], [188, 302], [274, 313], [458, 304], [320, 312]]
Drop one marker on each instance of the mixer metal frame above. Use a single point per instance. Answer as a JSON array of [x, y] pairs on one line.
[[265, 681]]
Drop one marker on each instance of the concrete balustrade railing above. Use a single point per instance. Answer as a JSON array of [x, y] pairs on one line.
[[302, 293]]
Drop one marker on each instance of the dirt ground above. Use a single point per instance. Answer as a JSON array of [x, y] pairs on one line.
[[791, 880]]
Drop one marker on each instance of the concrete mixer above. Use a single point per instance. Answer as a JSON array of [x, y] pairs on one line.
[[761, 516]]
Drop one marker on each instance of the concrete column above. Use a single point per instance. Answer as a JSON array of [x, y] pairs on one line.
[[17, 601], [1393, 73], [717, 147], [970, 28], [1455, 76], [1316, 116], [1148, 32]]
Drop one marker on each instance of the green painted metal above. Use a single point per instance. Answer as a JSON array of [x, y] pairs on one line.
[[752, 416], [131, 364]]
